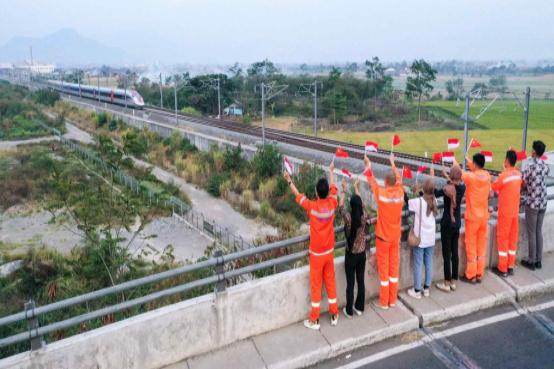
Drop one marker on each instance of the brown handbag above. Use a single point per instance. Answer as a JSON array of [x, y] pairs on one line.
[[413, 240]]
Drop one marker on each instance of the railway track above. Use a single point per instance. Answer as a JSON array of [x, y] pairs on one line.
[[316, 143]]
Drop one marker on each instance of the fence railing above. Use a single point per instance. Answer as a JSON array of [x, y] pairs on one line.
[[196, 219]]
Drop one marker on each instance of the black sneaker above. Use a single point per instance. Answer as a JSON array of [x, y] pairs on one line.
[[500, 273], [479, 278], [528, 265], [510, 271], [538, 265], [467, 280]]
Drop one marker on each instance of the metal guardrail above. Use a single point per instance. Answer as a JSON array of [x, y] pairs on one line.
[[192, 217]]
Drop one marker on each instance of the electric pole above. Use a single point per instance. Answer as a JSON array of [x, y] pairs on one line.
[[269, 91], [466, 127], [311, 89], [214, 83], [125, 85], [526, 118], [161, 93], [185, 82], [98, 83]]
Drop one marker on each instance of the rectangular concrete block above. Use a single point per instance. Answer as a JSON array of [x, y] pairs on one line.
[[294, 346]]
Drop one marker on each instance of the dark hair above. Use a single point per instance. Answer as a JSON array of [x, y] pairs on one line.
[[512, 157], [539, 147], [479, 160], [322, 188], [356, 212]]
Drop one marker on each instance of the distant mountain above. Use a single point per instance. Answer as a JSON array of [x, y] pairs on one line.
[[65, 47]]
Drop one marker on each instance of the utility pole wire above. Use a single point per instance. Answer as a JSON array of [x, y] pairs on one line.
[[214, 83], [311, 89], [269, 91]]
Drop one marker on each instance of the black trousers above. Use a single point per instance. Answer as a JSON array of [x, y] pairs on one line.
[[449, 241], [354, 266]]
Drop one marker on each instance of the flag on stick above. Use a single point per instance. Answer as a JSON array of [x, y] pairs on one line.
[[448, 157], [453, 143], [521, 155], [421, 169], [395, 140], [544, 157], [437, 157], [371, 146], [340, 153], [474, 143], [368, 172], [288, 165], [487, 155], [346, 172]]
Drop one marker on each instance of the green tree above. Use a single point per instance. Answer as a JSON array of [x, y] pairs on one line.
[[498, 84], [336, 105], [419, 82], [267, 161], [135, 143], [455, 88], [375, 72], [264, 68]]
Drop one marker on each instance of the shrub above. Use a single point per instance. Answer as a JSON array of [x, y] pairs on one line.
[[246, 200], [225, 189], [214, 183], [101, 119], [218, 160], [113, 125], [267, 161], [246, 119], [307, 177], [191, 111], [46, 97], [135, 143], [267, 189], [233, 160]]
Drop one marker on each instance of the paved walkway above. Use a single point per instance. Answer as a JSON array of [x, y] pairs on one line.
[[295, 346]]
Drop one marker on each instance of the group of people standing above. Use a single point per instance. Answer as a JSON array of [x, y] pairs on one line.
[[474, 185]]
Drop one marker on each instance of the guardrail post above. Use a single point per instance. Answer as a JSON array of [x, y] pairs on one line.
[[32, 325], [220, 270]]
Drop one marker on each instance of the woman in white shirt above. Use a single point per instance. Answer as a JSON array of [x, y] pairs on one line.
[[423, 254]]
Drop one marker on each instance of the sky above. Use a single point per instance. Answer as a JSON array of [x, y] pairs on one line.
[[296, 31]]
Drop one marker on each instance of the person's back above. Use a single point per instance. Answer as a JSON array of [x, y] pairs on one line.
[[322, 215], [508, 186], [390, 201], [478, 185]]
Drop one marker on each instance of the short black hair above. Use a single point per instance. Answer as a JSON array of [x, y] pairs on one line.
[[539, 147], [479, 160], [512, 157], [322, 188]]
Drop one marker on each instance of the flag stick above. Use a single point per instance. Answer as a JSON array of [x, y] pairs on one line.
[[468, 146]]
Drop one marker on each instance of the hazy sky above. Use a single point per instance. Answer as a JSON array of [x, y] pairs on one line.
[[223, 31]]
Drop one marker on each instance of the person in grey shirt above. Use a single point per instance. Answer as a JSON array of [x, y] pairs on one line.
[[534, 178]]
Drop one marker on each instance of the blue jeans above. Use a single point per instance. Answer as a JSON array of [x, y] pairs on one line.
[[423, 256]]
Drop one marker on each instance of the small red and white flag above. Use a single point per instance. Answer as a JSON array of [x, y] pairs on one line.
[[346, 172], [487, 155], [368, 172], [544, 157], [288, 165], [521, 155], [437, 157], [371, 146], [340, 153], [448, 157], [421, 169], [453, 143], [474, 143], [396, 140]]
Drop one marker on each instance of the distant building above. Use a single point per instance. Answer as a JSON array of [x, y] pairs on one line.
[[233, 110], [36, 68]]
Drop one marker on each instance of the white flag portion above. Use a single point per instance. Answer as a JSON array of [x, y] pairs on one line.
[[487, 155], [371, 146], [288, 165], [448, 157], [453, 143]]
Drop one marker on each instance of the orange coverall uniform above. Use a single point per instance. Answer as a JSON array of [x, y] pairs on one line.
[[478, 185], [322, 244], [508, 187], [390, 201]]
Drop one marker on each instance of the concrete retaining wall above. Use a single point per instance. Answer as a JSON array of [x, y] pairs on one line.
[[173, 333]]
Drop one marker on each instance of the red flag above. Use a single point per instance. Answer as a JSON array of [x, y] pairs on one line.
[[437, 157], [288, 165], [346, 172], [396, 140], [368, 172], [406, 172], [453, 143], [475, 143], [340, 153], [371, 146], [487, 155], [421, 169], [521, 155], [448, 156], [544, 157]]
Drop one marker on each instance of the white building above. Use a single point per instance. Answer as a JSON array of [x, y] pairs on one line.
[[37, 68]]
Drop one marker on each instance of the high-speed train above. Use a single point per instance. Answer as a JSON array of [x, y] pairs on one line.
[[111, 95]]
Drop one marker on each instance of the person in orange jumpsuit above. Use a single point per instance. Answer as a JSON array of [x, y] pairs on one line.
[[321, 213], [478, 191], [390, 201], [508, 186]]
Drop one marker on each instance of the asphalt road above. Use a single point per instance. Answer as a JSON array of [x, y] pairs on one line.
[[519, 336]]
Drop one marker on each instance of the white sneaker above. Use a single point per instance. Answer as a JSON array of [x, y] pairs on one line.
[[413, 293], [334, 319], [453, 286], [311, 325], [358, 312], [444, 287], [426, 292], [346, 314]]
